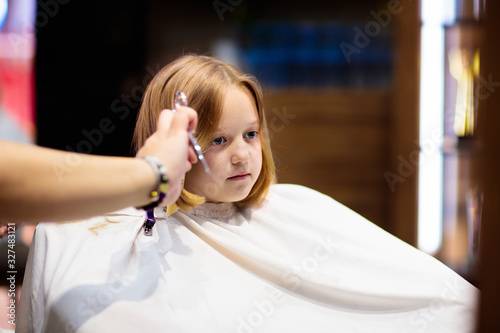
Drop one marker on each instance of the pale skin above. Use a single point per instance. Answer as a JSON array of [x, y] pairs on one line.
[[234, 154], [39, 184]]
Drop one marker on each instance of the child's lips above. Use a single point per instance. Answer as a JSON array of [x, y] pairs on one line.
[[240, 176]]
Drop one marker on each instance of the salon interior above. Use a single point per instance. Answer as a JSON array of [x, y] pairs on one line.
[[390, 107]]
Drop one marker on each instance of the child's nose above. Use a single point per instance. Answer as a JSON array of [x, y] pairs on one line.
[[240, 153]]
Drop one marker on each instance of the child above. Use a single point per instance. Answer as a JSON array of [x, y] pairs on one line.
[[255, 257]]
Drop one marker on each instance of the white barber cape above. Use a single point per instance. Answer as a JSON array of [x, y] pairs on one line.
[[300, 262]]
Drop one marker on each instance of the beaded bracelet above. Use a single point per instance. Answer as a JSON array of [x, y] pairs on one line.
[[160, 193], [157, 195]]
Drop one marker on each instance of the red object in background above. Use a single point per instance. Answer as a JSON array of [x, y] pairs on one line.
[[17, 80]]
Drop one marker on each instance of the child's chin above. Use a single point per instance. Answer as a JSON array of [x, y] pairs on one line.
[[234, 198]]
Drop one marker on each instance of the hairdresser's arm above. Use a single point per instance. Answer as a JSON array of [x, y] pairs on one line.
[[40, 184]]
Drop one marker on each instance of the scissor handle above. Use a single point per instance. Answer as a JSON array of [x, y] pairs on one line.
[[180, 99]]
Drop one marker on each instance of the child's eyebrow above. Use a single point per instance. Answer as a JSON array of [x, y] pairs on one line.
[[254, 123], [220, 131]]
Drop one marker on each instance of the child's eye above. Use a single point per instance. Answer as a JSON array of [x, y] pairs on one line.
[[218, 141], [251, 135]]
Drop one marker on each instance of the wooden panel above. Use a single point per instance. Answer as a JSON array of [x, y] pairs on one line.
[[404, 120], [334, 141], [487, 175]]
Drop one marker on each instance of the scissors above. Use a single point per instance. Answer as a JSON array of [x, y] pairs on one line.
[[180, 99]]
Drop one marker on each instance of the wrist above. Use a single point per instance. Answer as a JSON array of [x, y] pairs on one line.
[[160, 189]]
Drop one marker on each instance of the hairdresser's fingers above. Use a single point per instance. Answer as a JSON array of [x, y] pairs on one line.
[[189, 165], [164, 121], [192, 157], [156, 143], [172, 124], [165, 126], [192, 117], [185, 118]]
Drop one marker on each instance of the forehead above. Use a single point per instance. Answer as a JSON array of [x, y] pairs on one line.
[[238, 108]]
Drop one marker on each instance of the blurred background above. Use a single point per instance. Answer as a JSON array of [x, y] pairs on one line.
[[374, 103]]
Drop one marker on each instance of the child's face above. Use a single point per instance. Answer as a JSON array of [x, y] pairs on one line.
[[234, 153]]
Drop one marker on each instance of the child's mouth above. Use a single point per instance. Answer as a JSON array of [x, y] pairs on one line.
[[241, 176]]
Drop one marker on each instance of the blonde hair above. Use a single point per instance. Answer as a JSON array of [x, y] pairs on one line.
[[204, 80]]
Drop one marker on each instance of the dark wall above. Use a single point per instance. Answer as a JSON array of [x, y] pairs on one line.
[[95, 58], [90, 57]]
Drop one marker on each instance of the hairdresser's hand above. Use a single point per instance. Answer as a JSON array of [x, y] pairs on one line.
[[170, 143]]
